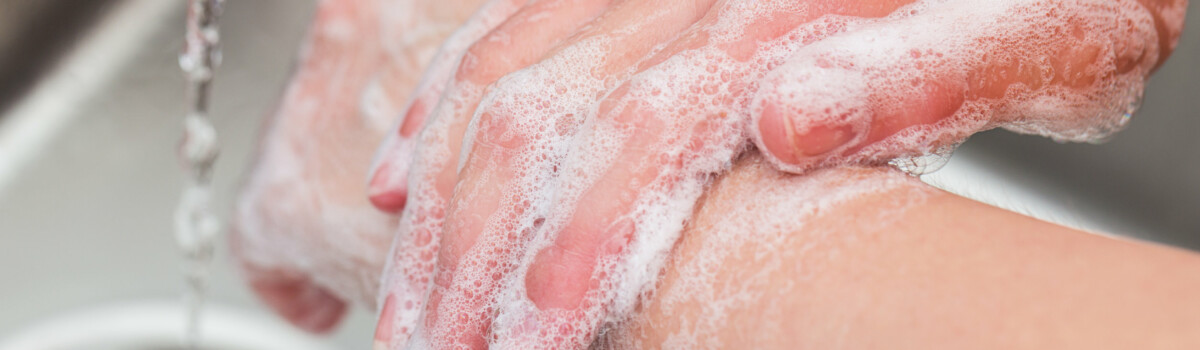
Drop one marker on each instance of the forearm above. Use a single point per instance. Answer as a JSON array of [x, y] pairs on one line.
[[907, 266]]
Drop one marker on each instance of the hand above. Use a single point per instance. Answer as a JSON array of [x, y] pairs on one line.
[[1073, 70], [591, 127], [307, 239]]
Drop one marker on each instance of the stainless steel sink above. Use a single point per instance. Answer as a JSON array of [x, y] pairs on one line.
[[34, 33], [1144, 183], [89, 179]]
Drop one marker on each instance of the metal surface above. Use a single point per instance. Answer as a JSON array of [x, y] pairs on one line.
[[34, 33], [1147, 176], [88, 171]]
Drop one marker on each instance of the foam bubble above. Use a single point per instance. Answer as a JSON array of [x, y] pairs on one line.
[[561, 127], [546, 119], [409, 271], [754, 209], [1082, 82]]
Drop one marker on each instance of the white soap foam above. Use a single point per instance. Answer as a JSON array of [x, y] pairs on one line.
[[414, 250], [297, 212], [539, 109], [287, 208], [755, 209], [399, 149], [547, 120], [556, 165], [1068, 102]]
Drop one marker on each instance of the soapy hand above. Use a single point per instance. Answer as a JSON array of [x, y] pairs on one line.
[[1072, 70], [306, 237], [565, 148]]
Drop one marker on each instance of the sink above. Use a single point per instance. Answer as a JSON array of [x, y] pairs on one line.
[[156, 325], [89, 179], [34, 33]]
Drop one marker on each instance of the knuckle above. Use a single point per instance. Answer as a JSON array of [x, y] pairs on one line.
[[485, 61]]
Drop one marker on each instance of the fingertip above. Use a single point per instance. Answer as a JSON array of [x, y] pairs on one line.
[[809, 115], [303, 304], [383, 328], [562, 274], [324, 317], [388, 200], [774, 131], [388, 190], [391, 202], [299, 301], [416, 115], [554, 280]]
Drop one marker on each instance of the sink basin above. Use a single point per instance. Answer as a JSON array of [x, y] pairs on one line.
[[158, 325], [89, 179]]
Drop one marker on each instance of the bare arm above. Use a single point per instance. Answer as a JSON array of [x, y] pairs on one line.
[[906, 266]]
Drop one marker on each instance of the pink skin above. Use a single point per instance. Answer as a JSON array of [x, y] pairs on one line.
[[308, 241], [409, 272], [1001, 91], [481, 196], [262, 220], [575, 253]]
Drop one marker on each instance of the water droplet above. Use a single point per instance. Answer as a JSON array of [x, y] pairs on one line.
[[186, 63], [211, 34], [1117, 117], [196, 226], [925, 163]]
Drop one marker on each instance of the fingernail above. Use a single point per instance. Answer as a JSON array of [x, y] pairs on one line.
[[387, 190], [776, 129], [810, 112], [383, 328], [619, 236], [414, 118], [822, 139]]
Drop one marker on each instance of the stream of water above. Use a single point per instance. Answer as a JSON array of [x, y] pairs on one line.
[[196, 227]]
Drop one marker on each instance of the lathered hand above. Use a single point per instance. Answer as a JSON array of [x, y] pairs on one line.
[[307, 238], [567, 146]]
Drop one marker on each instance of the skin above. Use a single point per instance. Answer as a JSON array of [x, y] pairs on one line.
[[885, 271], [466, 200], [543, 30], [307, 239]]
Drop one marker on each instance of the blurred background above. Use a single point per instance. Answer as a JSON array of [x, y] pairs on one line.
[[91, 104]]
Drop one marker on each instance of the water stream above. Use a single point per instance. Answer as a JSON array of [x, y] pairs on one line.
[[196, 227]]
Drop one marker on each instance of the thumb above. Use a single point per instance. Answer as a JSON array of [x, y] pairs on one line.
[[927, 78]]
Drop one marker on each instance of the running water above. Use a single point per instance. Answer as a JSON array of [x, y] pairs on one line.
[[196, 226]]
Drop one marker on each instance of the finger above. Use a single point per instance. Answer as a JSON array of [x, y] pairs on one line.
[[1168, 22], [301, 191], [411, 33], [676, 136], [570, 280], [388, 185], [515, 43], [484, 61], [929, 80], [296, 298], [476, 256]]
